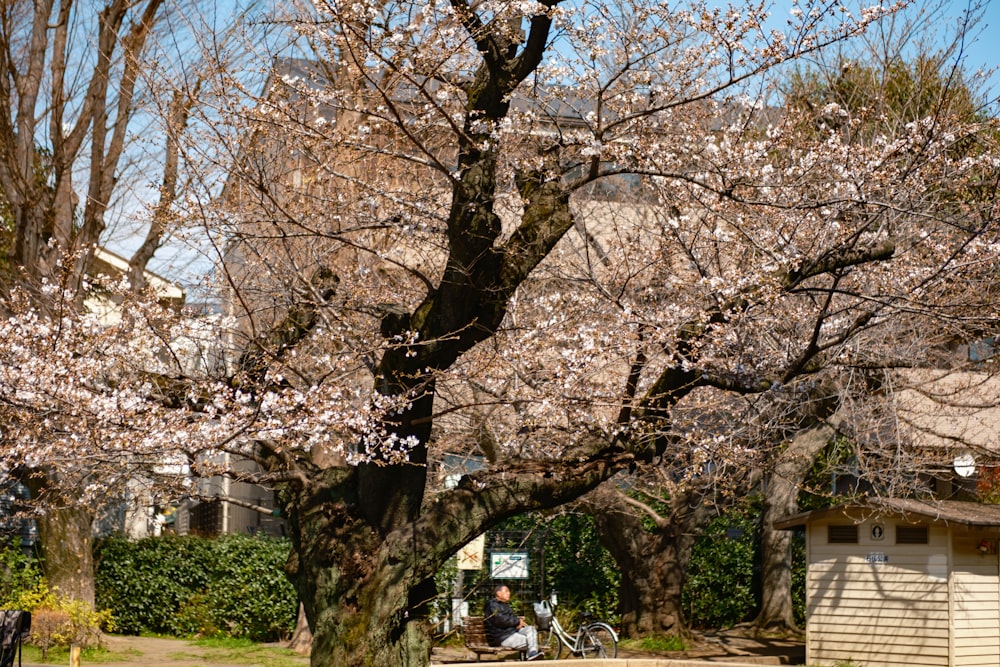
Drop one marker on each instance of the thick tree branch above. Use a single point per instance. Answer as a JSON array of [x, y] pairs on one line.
[[177, 119], [838, 258], [483, 499], [534, 48], [631, 386], [271, 345], [651, 514], [105, 154], [547, 218]]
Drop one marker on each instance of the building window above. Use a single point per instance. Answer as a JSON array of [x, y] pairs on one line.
[[842, 534], [911, 534]]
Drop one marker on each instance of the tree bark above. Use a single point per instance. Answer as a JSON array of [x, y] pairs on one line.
[[366, 592], [67, 545], [302, 637], [780, 500], [653, 561], [65, 537]]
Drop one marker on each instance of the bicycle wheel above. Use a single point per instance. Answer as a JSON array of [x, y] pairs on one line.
[[599, 641], [550, 644]]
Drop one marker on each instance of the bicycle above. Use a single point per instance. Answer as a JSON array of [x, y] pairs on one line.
[[594, 639]]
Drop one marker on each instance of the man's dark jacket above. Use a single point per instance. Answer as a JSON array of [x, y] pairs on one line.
[[499, 621]]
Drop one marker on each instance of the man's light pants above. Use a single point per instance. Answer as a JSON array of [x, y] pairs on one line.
[[525, 639]]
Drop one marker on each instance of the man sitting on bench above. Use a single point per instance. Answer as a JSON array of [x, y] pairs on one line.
[[504, 627]]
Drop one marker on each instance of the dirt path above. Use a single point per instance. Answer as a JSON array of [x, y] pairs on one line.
[[156, 652], [150, 651]]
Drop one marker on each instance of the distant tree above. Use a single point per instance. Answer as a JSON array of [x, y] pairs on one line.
[[79, 90], [51, 128], [868, 95]]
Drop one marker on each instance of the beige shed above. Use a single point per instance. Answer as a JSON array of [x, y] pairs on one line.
[[903, 582]]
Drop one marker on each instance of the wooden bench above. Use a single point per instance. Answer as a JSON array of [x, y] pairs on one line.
[[475, 638]]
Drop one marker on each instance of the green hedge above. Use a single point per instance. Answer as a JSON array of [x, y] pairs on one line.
[[721, 584], [232, 585]]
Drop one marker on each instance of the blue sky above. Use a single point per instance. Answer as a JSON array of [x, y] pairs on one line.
[[981, 51], [984, 51]]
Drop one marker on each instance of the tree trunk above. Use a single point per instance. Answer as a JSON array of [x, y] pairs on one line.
[[653, 562], [776, 609], [65, 537], [780, 500], [367, 592], [358, 608], [301, 641], [652, 567], [67, 545]]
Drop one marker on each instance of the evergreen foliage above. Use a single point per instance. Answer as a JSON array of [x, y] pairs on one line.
[[19, 572], [721, 579], [722, 587], [577, 567], [232, 585], [581, 570]]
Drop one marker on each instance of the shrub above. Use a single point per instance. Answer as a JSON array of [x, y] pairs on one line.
[[252, 597], [58, 620], [49, 629], [18, 573], [145, 582], [195, 618], [185, 586]]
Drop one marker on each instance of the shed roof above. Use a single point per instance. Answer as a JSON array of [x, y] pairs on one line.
[[938, 511]]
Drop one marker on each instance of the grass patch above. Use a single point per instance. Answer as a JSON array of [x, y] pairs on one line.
[[246, 652], [655, 643], [202, 651], [452, 639], [59, 655], [227, 643]]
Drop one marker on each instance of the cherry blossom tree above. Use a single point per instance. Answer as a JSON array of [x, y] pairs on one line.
[[82, 144], [566, 236], [552, 228], [62, 109], [868, 101], [881, 98]]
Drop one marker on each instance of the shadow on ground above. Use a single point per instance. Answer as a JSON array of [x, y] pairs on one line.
[[739, 644]]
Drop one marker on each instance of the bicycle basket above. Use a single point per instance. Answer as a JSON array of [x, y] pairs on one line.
[[543, 615]]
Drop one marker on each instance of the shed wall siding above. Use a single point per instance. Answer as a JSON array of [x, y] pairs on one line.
[[889, 614], [975, 603]]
